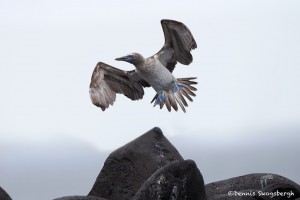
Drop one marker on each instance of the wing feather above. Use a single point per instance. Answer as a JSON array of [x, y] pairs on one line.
[[107, 81], [179, 41]]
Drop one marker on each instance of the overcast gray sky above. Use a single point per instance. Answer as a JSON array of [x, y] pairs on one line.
[[53, 141]]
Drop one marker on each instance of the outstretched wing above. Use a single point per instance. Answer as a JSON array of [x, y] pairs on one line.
[[179, 41], [106, 81]]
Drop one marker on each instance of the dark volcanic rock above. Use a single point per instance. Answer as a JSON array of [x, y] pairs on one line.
[[127, 168], [177, 180], [80, 198], [4, 195], [255, 185], [150, 168]]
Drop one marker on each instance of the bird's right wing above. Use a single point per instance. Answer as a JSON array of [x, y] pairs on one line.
[[106, 81]]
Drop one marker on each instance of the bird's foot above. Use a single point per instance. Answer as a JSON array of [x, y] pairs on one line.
[[160, 99], [176, 86]]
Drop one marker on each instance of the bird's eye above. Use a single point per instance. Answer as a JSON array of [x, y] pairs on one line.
[[130, 58]]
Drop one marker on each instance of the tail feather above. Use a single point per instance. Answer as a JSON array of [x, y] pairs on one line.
[[179, 100], [189, 92], [190, 87], [179, 97], [187, 81], [172, 99], [186, 95], [168, 104], [182, 99]]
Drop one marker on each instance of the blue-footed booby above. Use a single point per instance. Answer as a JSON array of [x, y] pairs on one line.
[[155, 71]]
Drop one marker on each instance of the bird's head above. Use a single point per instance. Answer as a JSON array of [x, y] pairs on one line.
[[133, 58]]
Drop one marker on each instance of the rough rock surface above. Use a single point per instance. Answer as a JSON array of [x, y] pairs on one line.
[[254, 186], [80, 198], [177, 180], [4, 195], [127, 168]]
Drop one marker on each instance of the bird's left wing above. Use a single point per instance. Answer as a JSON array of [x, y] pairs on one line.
[[106, 81], [179, 41]]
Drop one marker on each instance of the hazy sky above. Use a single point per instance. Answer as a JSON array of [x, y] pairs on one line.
[[53, 140]]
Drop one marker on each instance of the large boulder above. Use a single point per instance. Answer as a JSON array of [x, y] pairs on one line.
[[4, 195], [127, 168], [177, 180], [253, 186]]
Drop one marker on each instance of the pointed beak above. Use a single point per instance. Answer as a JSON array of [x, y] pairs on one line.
[[124, 58]]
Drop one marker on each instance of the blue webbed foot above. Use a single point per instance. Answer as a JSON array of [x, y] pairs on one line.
[[160, 99], [177, 86]]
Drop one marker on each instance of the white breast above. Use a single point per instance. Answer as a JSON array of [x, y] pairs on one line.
[[157, 75]]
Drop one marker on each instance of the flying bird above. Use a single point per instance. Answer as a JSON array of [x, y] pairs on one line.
[[155, 71]]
